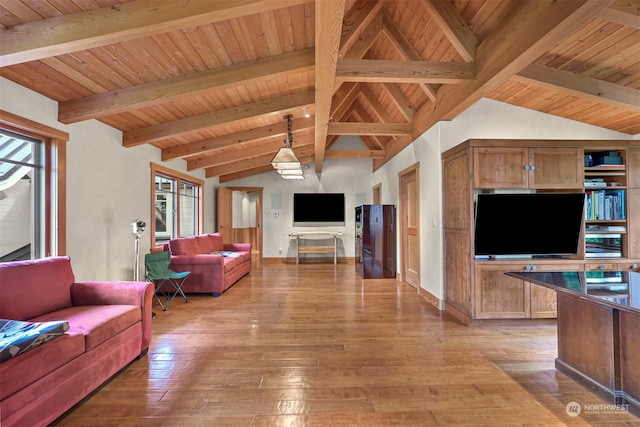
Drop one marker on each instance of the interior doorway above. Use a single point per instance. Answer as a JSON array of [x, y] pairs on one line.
[[410, 225], [239, 216], [376, 191]]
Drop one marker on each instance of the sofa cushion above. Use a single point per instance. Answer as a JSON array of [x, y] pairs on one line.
[[17, 337], [34, 287], [206, 243], [20, 371], [184, 246], [218, 244], [97, 323]]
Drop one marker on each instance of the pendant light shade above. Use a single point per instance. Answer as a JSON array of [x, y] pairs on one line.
[[285, 160]]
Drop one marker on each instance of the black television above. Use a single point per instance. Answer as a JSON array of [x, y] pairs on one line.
[[318, 209], [528, 224]]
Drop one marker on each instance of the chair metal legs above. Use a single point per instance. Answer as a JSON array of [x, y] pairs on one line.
[[171, 293]]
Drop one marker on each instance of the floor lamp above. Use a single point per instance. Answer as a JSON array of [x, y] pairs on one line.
[[138, 226]]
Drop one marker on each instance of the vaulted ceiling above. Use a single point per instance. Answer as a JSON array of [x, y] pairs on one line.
[[210, 81]]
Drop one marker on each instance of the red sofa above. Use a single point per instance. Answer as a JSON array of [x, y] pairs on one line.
[[108, 326], [214, 265]]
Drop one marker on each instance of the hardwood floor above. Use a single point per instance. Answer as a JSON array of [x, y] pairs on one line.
[[314, 345]]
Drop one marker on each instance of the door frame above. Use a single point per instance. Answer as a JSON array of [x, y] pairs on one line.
[[259, 216], [402, 208]]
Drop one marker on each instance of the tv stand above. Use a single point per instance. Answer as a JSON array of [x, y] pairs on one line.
[[316, 248]]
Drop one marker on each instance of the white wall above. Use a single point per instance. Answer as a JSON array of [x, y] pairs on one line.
[[108, 186]]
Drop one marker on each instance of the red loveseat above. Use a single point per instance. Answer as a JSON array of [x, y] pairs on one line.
[[108, 325], [214, 265]]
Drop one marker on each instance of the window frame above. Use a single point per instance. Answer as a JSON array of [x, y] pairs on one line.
[[55, 180], [179, 177]]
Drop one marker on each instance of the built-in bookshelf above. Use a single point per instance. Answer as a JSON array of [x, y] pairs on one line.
[[605, 187]]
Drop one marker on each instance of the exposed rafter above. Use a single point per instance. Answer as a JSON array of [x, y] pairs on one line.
[[328, 17], [209, 120], [389, 71], [113, 24], [177, 88], [581, 86]]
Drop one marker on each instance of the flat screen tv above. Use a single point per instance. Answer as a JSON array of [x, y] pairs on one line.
[[318, 209], [532, 224]]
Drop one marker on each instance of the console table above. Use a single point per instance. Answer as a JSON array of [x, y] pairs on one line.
[[598, 330], [298, 235]]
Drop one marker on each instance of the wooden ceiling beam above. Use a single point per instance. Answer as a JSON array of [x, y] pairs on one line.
[[380, 110], [360, 115], [396, 37], [463, 39], [621, 17], [354, 128], [361, 14], [581, 86], [249, 135], [329, 16], [400, 100], [243, 174], [365, 41], [228, 116], [388, 71], [354, 154], [177, 88], [118, 23], [533, 28], [342, 101]]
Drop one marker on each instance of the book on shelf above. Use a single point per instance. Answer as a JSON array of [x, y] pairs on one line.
[[598, 227], [607, 166], [605, 205]]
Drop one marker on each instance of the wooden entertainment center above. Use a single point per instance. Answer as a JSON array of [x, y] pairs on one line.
[[477, 289]]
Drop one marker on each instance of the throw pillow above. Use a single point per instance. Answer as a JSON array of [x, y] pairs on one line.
[[17, 337]]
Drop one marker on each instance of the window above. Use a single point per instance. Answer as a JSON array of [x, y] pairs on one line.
[[32, 182], [177, 205]]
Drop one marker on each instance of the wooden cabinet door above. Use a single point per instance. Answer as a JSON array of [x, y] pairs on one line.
[[556, 168], [498, 296], [502, 297], [633, 167], [500, 167], [544, 302]]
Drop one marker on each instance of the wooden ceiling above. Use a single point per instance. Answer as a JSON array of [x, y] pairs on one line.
[[210, 81]]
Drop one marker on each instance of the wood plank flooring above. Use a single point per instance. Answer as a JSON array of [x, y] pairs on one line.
[[315, 345]]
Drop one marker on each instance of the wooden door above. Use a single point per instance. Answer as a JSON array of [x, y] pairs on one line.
[[556, 168], [409, 229], [500, 167], [224, 214]]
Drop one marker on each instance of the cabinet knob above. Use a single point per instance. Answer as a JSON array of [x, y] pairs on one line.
[[533, 167], [634, 266], [534, 267], [602, 266], [526, 167]]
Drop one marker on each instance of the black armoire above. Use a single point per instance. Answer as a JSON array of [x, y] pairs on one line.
[[376, 241]]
